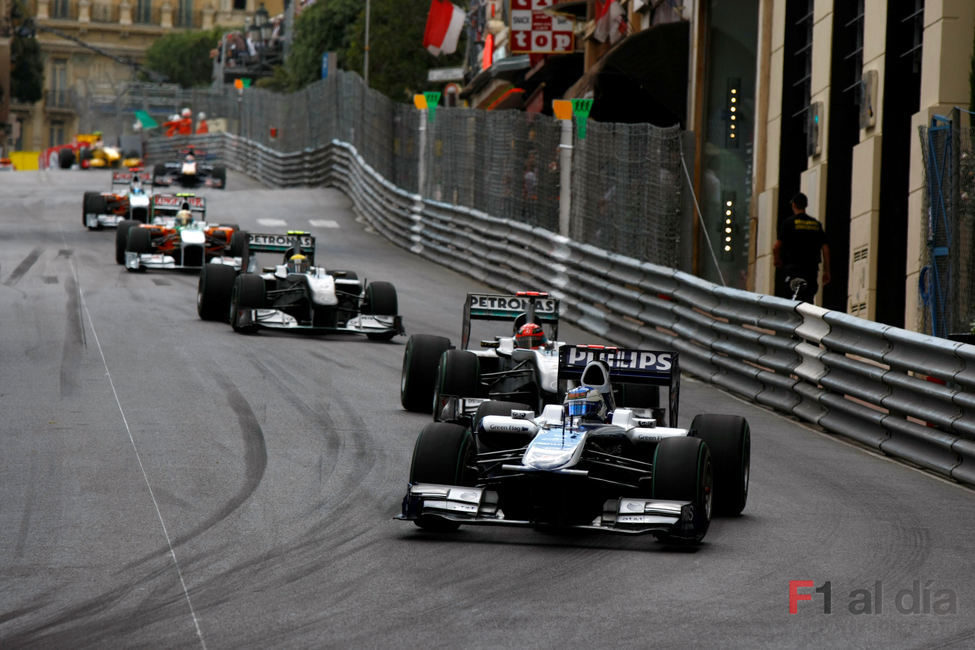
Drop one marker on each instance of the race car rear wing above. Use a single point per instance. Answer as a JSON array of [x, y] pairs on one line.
[[536, 306], [282, 243], [124, 178], [173, 202], [646, 367]]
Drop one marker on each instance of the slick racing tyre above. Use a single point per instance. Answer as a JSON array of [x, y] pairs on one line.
[[240, 247], [214, 291], [220, 174], [458, 375], [729, 439], [682, 471], [93, 203], [158, 171], [444, 454], [248, 293], [122, 239], [419, 376], [380, 299]]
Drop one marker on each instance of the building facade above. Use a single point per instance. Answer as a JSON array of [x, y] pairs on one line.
[[117, 31], [844, 87]]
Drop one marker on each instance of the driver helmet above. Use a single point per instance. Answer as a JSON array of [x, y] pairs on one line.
[[184, 218], [586, 403], [136, 185], [530, 336], [298, 263]]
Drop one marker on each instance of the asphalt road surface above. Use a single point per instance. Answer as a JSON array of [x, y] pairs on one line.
[[165, 482]]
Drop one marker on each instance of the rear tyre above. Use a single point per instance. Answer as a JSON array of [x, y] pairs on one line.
[[682, 471], [220, 173], [122, 239], [89, 204], [458, 375], [419, 376], [157, 171], [240, 247], [444, 454], [380, 299], [214, 291], [729, 439], [248, 293], [66, 158]]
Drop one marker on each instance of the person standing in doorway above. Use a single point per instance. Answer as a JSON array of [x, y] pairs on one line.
[[798, 250]]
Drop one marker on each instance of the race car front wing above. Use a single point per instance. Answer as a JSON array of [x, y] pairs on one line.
[[479, 506], [361, 324]]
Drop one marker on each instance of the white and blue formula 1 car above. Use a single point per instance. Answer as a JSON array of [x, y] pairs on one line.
[[108, 209], [586, 462], [295, 294]]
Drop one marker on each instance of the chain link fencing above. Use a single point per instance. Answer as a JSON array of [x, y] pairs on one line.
[[948, 266], [626, 187]]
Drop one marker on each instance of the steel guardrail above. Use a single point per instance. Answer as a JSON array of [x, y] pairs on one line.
[[900, 393]]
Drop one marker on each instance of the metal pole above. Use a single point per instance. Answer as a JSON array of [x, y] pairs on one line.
[[421, 154], [365, 64], [565, 177]]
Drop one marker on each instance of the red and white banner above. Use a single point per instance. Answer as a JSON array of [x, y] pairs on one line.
[[533, 31], [444, 24]]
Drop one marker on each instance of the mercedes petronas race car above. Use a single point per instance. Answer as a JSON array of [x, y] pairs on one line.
[[294, 294], [517, 360], [108, 209], [587, 461]]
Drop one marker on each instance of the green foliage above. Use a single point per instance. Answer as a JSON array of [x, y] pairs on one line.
[[323, 27], [184, 57], [26, 64], [398, 64], [27, 70]]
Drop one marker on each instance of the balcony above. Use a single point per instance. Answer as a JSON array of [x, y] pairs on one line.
[[61, 101]]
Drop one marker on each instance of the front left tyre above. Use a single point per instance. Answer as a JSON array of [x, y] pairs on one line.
[[214, 292], [444, 454]]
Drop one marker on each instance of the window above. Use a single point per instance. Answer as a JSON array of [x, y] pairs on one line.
[[60, 9], [143, 12], [185, 17], [56, 133]]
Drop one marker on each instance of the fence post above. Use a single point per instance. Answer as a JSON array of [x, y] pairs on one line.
[[563, 111]]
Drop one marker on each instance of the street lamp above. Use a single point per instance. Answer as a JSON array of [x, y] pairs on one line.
[[262, 23]]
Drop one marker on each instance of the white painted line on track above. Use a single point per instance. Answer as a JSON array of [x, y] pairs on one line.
[[272, 222], [138, 457], [324, 223]]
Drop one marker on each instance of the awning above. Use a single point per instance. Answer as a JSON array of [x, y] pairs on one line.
[[510, 68], [643, 78], [146, 120]]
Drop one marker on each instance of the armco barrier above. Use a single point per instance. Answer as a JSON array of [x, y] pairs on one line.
[[900, 393]]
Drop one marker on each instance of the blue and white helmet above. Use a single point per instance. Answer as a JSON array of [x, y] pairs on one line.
[[587, 403]]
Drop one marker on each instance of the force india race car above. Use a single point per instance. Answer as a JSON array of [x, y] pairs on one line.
[[101, 209], [295, 294], [191, 171], [177, 236], [588, 463]]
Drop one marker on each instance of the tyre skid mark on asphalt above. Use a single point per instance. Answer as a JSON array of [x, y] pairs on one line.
[[24, 266], [74, 340], [255, 464]]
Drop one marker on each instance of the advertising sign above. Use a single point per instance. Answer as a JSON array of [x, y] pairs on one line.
[[533, 31]]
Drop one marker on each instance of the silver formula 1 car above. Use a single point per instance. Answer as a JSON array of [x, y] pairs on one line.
[[295, 295], [586, 462], [502, 366], [128, 199]]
